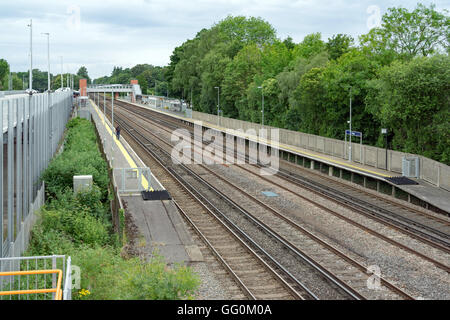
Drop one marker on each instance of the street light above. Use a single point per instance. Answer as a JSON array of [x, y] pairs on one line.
[[262, 94], [31, 56], [48, 59], [218, 105], [385, 131], [350, 122], [61, 72], [112, 129]]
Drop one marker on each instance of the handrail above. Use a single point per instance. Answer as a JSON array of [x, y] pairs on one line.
[[57, 290]]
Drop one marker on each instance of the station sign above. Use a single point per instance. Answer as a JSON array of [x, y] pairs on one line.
[[354, 133]]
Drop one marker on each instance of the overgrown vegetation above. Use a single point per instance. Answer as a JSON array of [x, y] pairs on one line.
[[80, 226]]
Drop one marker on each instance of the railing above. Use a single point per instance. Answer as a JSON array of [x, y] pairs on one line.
[[110, 88], [35, 278]]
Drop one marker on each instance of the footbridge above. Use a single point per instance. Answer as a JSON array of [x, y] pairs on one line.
[[133, 89]]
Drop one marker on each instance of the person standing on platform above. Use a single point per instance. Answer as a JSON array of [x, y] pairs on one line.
[[118, 132]]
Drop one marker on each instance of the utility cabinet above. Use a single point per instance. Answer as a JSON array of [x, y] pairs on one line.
[[410, 167], [82, 183]]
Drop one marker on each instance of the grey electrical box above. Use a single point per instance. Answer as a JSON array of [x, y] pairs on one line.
[[410, 167], [82, 183]]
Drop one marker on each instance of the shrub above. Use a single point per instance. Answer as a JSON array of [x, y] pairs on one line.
[[107, 276]]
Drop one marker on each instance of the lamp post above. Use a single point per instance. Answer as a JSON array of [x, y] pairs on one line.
[[48, 59], [350, 122], [31, 55], [385, 131], [112, 129], [61, 72], [218, 105], [262, 110], [104, 115]]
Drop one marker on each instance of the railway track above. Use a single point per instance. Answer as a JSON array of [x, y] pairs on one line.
[[257, 278], [424, 227], [345, 269]]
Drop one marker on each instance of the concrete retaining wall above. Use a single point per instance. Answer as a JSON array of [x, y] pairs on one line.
[[431, 171]]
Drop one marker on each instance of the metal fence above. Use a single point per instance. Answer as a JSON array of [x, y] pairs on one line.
[[32, 127], [431, 171], [36, 278]]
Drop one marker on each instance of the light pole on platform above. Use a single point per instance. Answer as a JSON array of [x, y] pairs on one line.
[[218, 105]]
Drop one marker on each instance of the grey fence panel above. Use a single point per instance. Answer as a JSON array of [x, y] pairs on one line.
[[32, 127], [437, 174]]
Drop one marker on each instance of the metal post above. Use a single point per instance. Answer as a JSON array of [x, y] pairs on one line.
[[18, 110], [350, 138], [48, 59], [10, 172], [112, 129], [385, 131], [218, 105], [31, 54], [62, 72], [262, 108], [262, 105], [25, 157]]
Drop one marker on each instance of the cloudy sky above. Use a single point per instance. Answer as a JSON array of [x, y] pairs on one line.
[[102, 34]]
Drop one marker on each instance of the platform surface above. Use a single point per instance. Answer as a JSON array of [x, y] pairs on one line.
[[160, 228], [158, 223], [438, 197]]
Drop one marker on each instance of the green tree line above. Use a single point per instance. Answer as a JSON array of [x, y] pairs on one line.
[[398, 76], [19, 80]]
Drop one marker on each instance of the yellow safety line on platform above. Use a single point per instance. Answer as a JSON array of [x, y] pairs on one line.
[[269, 142], [125, 153]]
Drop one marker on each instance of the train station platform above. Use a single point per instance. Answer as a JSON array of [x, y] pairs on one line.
[[430, 195], [156, 225]]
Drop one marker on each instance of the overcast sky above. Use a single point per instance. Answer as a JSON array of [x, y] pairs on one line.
[[103, 34]]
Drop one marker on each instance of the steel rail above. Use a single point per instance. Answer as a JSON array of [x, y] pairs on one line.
[[327, 274], [409, 233], [187, 187]]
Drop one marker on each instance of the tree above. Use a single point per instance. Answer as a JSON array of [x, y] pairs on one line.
[[338, 45], [423, 31], [143, 83], [289, 43], [310, 46], [238, 75], [4, 71], [411, 99], [83, 74]]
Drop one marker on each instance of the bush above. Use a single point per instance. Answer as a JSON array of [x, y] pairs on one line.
[[79, 226], [80, 157], [107, 276]]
